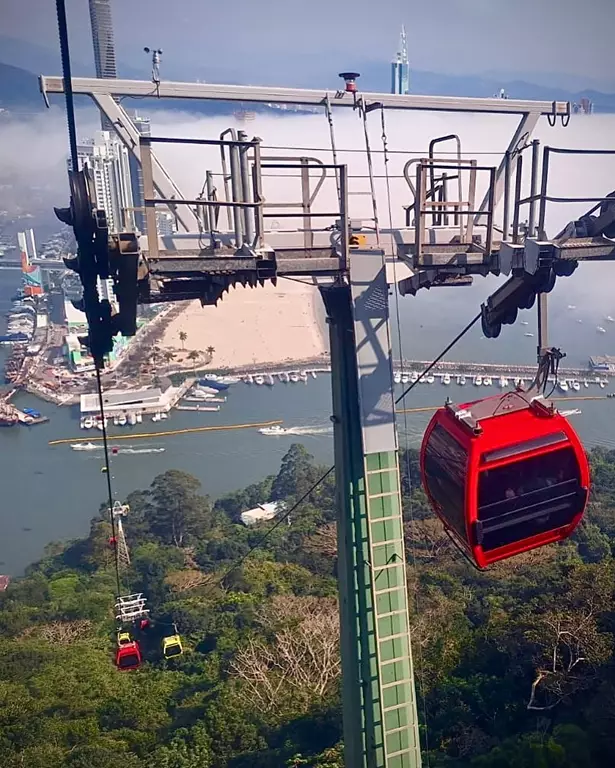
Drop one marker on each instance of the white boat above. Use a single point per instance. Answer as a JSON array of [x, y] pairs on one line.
[[529, 334], [115, 420], [610, 319], [397, 377], [576, 386], [503, 382], [258, 379], [579, 321], [275, 430], [446, 379], [313, 374], [269, 380], [198, 394], [156, 417], [603, 384], [478, 380], [88, 422], [248, 379], [228, 379], [414, 377], [203, 390], [99, 425], [563, 385], [571, 306], [285, 377], [487, 381], [462, 380], [405, 379], [600, 329], [121, 420], [294, 377], [83, 447], [430, 379], [132, 419], [139, 418], [303, 375], [164, 415], [585, 383], [524, 322]]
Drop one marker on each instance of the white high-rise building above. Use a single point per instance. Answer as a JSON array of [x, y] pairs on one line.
[[27, 244], [143, 126], [108, 161], [165, 223]]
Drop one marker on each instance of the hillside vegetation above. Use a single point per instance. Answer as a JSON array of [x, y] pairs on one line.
[[514, 665]]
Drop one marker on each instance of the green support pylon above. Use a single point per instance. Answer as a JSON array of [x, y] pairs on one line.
[[378, 695]]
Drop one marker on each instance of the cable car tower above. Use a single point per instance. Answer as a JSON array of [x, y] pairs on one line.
[[117, 512], [449, 237]]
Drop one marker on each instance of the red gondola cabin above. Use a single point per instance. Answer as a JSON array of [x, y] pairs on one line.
[[505, 475], [128, 653]]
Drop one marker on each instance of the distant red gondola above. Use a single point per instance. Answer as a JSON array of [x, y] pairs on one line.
[[505, 475]]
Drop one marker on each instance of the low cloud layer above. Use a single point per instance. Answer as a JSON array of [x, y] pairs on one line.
[[34, 151]]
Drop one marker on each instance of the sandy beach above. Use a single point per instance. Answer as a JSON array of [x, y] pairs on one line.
[[252, 327]]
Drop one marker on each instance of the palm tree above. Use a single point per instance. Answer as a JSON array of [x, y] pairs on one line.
[[168, 355], [182, 337], [194, 356], [210, 351]]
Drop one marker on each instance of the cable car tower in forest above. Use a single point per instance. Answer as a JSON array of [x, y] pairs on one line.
[[117, 512], [450, 236]]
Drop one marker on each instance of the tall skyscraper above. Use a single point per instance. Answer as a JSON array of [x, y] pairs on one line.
[[400, 68], [104, 45], [142, 124], [102, 37]]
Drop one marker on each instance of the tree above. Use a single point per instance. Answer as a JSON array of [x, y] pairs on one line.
[[569, 639], [301, 665], [297, 474], [183, 337], [177, 512], [194, 356], [210, 351]]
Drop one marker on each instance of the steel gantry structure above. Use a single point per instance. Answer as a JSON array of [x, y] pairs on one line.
[[447, 240]]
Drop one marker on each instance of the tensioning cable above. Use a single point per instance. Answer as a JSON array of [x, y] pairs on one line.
[[240, 560], [72, 138]]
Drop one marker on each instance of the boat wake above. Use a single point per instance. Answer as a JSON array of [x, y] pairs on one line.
[[305, 431], [310, 430], [137, 451]]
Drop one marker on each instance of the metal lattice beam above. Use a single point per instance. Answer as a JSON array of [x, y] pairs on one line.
[[300, 96]]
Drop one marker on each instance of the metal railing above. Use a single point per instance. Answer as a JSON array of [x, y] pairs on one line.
[[463, 210], [538, 198], [246, 206]]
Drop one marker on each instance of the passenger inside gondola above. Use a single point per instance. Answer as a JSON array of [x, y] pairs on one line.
[[527, 497]]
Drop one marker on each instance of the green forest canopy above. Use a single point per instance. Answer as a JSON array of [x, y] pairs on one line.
[[514, 665]]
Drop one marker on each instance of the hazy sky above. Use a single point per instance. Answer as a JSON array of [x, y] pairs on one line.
[[255, 41]]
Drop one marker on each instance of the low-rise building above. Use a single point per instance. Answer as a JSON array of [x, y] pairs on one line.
[[262, 513]]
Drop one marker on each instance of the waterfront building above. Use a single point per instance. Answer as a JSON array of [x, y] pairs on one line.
[[31, 275]]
